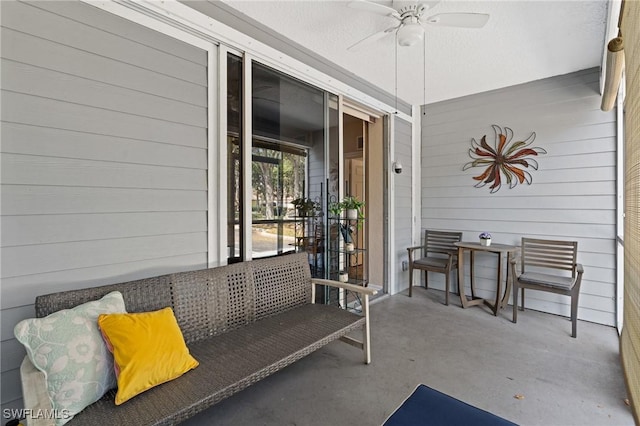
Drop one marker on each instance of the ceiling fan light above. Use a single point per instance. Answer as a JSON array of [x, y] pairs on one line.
[[409, 34]]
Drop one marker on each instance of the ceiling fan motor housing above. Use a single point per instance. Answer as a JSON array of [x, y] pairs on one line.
[[409, 18], [410, 32], [414, 10]]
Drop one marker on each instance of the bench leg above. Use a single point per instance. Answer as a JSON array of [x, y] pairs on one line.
[[366, 335]]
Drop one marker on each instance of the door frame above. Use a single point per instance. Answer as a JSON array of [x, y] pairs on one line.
[[369, 115]]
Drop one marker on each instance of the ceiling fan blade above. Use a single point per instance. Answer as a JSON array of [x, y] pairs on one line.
[[463, 20], [427, 5], [374, 8], [370, 39]]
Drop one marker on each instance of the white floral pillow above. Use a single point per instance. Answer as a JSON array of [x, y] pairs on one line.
[[68, 347]]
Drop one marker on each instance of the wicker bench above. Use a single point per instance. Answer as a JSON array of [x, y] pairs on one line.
[[242, 322]]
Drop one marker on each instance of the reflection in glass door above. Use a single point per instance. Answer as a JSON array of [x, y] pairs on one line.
[[293, 157], [288, 163], [278, 178], [234, 159]]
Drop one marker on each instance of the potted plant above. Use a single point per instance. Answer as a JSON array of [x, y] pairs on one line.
[[304, 206], [335, 209], [353, 207], [485, 239]]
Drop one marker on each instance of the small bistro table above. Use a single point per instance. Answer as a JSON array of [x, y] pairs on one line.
[[500, 250]]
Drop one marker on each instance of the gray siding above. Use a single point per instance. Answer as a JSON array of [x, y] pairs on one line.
[[104, 157], [403, 220], [573, 195]]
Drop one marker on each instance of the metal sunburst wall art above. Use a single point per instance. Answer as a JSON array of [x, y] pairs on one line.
[[504, 158]]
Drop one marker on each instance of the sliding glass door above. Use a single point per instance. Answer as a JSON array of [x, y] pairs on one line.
[[288, 163]]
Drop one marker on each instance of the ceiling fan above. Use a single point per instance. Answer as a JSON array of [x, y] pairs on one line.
[[411, 18]]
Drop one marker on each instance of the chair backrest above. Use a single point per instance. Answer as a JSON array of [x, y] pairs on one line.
[[550, 254], [441, 242]]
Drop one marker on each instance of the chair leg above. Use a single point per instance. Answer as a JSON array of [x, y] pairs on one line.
[[515, 302], [522, 299], [410, 279], [426, 279], [447, 283], [574, 313], [457, 280]]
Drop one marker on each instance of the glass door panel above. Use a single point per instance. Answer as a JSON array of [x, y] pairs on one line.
[[288, 164]]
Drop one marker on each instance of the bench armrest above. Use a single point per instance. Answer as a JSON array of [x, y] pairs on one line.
[[34, 394], [346, 286], [365, 344]]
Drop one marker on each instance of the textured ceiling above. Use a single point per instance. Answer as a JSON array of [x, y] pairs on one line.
[[523, 41]]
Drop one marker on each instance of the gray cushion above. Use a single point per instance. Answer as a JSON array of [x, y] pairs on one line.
[[548, 280], [431, 262]]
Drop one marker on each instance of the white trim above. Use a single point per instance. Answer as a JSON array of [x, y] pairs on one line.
[[214, 181], [233, 51], [221, 166], [362, 112], [416, 176], [620, 160], [401, 115], [150, 16], [341, 174], [188, 19], [357, 113], [393, 266], [341, 147], [247, 132]]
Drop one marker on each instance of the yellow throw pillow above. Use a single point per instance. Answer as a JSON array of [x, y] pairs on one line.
[[148, 349]]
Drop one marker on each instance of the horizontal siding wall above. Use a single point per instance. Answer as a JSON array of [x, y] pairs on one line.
[[403, 220], [104, 158], [573, 194]]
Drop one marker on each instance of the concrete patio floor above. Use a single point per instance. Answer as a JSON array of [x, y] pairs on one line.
[[466, 353]]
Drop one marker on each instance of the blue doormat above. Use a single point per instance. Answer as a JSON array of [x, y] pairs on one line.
[[427, 406]]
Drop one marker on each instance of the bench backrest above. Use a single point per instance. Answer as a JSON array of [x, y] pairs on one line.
[[207, 302]]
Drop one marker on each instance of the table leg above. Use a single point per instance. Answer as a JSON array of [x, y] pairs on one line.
[[463, 297], [507, 291], [472, 261], [496, 307]]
